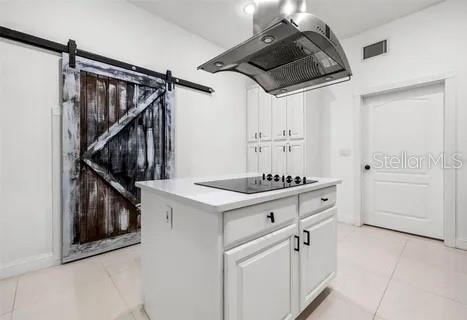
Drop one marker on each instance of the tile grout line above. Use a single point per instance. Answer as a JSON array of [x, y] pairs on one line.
[[116, 288], [390, 279]]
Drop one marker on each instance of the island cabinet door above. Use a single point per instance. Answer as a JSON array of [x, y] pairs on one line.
[[318, 254], [261, 278]]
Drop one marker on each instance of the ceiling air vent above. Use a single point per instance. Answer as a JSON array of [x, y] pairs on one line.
[[375, 49]]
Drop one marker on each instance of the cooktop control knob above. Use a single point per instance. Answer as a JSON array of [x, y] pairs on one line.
[[298, 179], [269, 177], [289, 179], [277, 177], [304, 180]]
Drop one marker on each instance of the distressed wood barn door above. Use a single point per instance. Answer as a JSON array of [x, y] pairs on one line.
[[117, 128]]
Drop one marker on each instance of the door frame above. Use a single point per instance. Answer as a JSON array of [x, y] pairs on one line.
[[449, 82]]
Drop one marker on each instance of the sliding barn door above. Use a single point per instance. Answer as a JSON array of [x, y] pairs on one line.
[[117, 129]]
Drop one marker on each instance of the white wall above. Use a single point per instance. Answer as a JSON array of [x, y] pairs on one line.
[[210, 130], [427, 43]]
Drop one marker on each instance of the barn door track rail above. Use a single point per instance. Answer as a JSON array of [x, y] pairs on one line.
[[73, 50]]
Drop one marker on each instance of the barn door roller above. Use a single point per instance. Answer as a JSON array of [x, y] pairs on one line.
[[73, 51]]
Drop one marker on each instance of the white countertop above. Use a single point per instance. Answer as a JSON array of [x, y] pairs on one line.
[[217, 200]]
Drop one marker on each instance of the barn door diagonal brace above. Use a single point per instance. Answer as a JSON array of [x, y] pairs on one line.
[[72, 49]]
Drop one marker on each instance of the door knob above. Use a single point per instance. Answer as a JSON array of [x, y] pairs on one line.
[[367, 167]]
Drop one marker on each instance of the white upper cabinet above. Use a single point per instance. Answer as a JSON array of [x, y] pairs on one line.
[[262, 278], [252, 114], [264, 158], [279, 158], [279, 118], [295, 116], [296, 158], [252, 158], [264, 115]]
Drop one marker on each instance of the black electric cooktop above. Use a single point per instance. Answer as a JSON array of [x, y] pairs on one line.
[[250, 185]]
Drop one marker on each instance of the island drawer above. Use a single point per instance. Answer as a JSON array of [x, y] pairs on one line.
[[247, 223], [316, 201]]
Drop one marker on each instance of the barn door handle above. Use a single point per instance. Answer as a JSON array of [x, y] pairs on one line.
[[297, 243], [307, 238]]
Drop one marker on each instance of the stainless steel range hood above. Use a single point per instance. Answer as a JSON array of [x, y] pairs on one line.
[[291, 51]]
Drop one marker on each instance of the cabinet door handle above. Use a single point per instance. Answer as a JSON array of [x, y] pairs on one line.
[[283, 132], [256, 135], [290, 132], [297, 243], [271, 217], [259, 149], [283, 148], [260, 135], [290, 148], [324, 199], [307, 237], [256, 149]]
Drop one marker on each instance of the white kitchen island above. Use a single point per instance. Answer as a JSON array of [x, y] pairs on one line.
[[210, 254]]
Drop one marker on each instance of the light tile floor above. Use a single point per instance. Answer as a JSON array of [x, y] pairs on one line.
[[382, 275]]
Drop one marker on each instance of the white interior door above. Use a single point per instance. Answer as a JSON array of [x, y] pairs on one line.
[[264, 114], [295, 158], [261, 278], [252, 114], [264, 158], [279, 158], [252, 158], [404, 194], [279, 118], [295, 116]]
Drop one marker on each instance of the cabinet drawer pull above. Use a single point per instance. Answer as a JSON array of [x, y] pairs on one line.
[[256, 149], [283, 132], [256, 135], [283, 148], [259, 149], [260, 135], [297, 243], [271, 217], [307, 237], [290, 148], [290, 132], [324, 199]]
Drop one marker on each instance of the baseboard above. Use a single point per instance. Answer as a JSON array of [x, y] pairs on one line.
[[29, 264], [461, 244]]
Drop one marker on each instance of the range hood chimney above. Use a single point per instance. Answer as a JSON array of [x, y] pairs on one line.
[[291, 51]]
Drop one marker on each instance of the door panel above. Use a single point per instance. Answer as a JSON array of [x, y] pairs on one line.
[[295, 158], [264, 158], [279, 118], [318, 258], [279, 158], [405, 195], [264, 116], [252, 114], [261, 278], [295, 116], [252, 158]]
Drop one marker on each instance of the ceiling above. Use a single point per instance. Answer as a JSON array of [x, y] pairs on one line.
[[224, 22]]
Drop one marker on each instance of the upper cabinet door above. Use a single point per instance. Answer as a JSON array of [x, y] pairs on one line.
[[264, 158], [264, 115], [318, 254], [279, 118], [252, 114], [295, 158], [252, 158], [279, 158], [261, 278], [295, 116]]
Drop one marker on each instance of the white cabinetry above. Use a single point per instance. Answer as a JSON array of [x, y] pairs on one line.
[[317, 255], [261, 281], [276, 124]]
